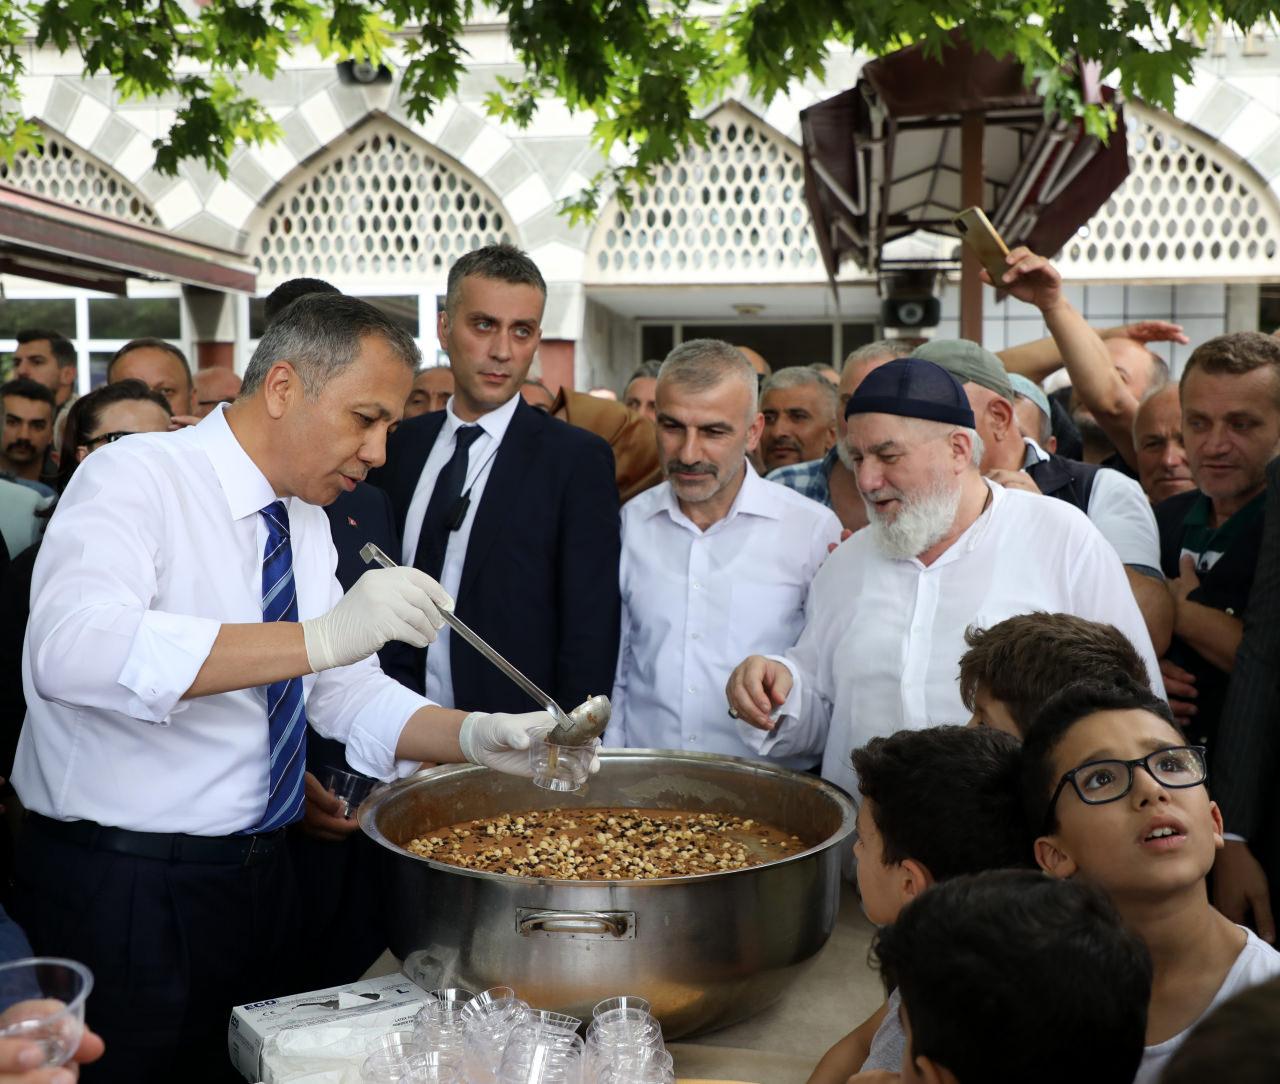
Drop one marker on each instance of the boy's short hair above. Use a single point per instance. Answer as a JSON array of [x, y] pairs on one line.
[[1010, 976], [1022, 661], [1237, 1041], [1052, 722], [946, 797]]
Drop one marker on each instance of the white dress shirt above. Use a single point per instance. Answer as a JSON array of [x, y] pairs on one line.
[[480, 457], [695, 603], [883, 636], [156, 544], [1119, 508]]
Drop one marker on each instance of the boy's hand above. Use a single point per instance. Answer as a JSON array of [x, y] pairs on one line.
[[755, 688], [1240, 889]]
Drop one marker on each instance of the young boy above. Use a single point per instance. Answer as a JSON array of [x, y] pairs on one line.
[[1015, 665], [936, 803], [1009, 977], [1117, 799]]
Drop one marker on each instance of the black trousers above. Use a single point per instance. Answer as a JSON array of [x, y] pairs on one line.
[[172, 946]]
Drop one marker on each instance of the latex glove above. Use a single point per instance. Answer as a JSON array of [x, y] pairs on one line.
[[385, 604], [501, 742]]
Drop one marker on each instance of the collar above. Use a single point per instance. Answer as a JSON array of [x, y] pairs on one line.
[[494, 423], [755, 498], [1035, 454], [243, 484], [973, 536], [829, 461]]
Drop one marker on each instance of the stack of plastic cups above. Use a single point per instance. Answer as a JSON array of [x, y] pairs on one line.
[[487, 1023], [438, 1026], [625, 1041], [544, 1052], [387, 1058], [432, 1068]]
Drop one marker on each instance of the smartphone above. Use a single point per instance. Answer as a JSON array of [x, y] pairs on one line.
[[976, 231]]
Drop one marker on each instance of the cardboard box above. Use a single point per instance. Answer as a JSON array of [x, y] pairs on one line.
[[387, 1003]]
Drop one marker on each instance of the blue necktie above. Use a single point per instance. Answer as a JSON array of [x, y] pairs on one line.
[[286, 716]]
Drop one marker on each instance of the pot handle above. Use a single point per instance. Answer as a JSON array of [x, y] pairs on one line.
[[619, 925]]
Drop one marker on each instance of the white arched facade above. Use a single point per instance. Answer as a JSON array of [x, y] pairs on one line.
[[380, 206], [1190, 209], [732, 211], [62, 171]]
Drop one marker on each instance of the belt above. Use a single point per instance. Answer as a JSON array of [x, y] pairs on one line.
[[243, 850]]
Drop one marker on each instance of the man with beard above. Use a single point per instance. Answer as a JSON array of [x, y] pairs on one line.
[[716, 564], [799, 409], [946, 550], [27, 433]]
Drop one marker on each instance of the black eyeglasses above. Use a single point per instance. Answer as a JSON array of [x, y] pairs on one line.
[[1102, 781], [109, 438]]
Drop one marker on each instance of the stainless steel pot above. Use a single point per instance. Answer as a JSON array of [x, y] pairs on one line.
[[706, 950]]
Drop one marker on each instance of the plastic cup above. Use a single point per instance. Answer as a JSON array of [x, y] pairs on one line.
[[433, 1068], [543, 1020], [452, 995], [399, 1043], [534, 1056], [561, 767], [383, 1068], [42, 1001], [624, 1001], [350, 788]]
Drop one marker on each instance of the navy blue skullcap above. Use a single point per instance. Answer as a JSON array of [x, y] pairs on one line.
[[912, 388]]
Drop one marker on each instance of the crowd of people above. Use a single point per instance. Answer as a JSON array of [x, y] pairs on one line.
[[829, 570]]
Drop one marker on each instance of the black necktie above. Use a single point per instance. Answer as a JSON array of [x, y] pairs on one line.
[[442, 509]]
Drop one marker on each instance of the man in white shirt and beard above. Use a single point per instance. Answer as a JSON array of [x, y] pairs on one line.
[[715, 564], [186, 629], [946, 549]]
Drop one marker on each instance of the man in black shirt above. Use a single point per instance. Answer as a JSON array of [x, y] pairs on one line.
[[1210, 536]]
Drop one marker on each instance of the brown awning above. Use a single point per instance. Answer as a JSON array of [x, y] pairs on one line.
[[42, 238], [882, 160]]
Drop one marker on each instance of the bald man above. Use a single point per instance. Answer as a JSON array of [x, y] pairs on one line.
[[214, 385]]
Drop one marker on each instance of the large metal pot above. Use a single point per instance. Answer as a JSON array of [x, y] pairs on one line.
[[706, 950]]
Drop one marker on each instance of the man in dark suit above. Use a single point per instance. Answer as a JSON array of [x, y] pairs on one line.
[[515, 511]]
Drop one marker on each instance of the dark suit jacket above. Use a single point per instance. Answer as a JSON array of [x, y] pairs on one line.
[[540, 578], [1245, 776]]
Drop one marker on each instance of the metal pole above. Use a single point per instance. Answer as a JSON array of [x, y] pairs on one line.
[[971, 195]]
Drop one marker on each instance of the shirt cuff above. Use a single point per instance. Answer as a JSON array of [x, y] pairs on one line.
[[762, 741], [164, 658], [375, 733]]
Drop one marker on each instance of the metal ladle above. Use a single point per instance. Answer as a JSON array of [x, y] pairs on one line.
[[578, 727]]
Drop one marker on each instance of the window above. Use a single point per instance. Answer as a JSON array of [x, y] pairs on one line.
[[135, 318], [52, 315]]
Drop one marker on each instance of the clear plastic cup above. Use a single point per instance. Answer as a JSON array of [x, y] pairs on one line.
[[544, 1020], [624, 1001], [488, 1020], [561, 767], [433, 1068], [438, 1027], [452, 995], [383, 1068], [42, 1001], [349, 788], [399, 1043], [535, 1056]]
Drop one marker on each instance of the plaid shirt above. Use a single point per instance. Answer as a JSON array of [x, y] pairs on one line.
[[811, 479]]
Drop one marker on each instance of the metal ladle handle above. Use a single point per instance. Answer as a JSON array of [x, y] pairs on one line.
[[373, 555]]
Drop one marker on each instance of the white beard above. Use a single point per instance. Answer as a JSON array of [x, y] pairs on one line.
[[922, 521]]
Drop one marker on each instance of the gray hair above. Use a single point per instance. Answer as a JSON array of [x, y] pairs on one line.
[[501, 263], [320, 335], [1046, 422], [881, 348], [977, 448], [702, 364], [796, 377], [646, 370]]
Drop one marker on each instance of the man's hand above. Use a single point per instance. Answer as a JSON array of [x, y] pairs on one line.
[[1148, 331], [19, 1059], [1186, 582], [322, 812], [1030, 278], [501, 741], [385, 604], [1014, 479], [1180, 684], [755, 688], [181, 421], [1240, 889], [845, 535]]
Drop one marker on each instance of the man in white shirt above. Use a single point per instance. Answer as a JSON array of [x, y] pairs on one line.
[[946, 549], [716, 564], [1114, 503], [188, 577]]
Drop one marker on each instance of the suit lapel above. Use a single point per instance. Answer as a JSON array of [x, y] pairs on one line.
[[417, 438], [510, 466]]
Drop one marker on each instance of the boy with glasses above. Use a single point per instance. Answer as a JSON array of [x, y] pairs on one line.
[[1120, 801]]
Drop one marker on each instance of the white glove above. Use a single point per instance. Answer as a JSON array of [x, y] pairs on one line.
[[501, 742], [385, 604]]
